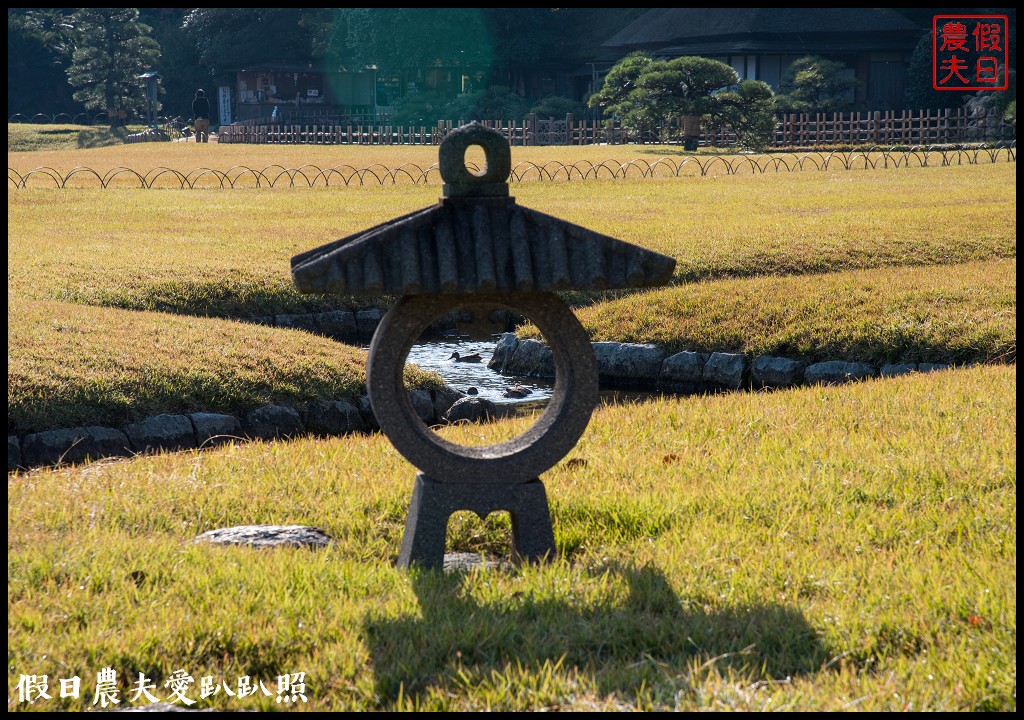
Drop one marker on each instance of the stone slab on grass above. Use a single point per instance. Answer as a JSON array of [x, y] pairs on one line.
[[306, 321], [532, 358], [724, 370], [264, 536], [367, 321], [684, 369], [333, 417], [13, 453], [337, 323], [629, 363]]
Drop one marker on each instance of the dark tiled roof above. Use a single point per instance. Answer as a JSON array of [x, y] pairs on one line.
[[680, 25], [476, 246]]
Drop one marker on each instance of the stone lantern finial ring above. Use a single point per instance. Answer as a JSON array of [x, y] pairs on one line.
[[459, 181]]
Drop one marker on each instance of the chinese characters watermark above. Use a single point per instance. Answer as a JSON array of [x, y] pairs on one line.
[[969, 52], [291, 688]]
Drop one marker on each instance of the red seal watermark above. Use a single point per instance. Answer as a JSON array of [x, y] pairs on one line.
[[969, 52]]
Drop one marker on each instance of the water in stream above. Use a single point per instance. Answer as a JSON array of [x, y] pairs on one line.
[[436, 356]]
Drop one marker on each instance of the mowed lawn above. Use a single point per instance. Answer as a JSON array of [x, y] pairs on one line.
[[850, 264], [226, 252], [815, 549], [822, 548]]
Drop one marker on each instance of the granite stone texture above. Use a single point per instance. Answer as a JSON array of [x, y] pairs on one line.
[[532, 358], [776, 372], [504, 349], [215, 428], [835, 372], [337, 323], [271, 422], [432, 504], [518, 460], [13, 453], [471, 409], [684, 369], [892, 370], [305, 321], [724, 370], [333, 417], [628, 363], [161, 432], [264, 536], [73, 445]]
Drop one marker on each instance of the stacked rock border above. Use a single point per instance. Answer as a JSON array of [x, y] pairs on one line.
[[649, 367], [642, 367], [321, 418]]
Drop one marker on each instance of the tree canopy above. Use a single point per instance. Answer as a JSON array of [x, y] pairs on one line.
[[620, 95], [919, 90], [646, 94], [749, 111], [112, 48], [39, 47], [816, 84], [228, 39]]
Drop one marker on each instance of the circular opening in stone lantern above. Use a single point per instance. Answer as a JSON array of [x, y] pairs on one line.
[[469, 349], [518, 459]]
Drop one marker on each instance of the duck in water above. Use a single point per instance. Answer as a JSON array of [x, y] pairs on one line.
[[474, 357]]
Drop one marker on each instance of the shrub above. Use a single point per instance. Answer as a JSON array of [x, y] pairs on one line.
[[748, 112], [558, 107], [815, 84]]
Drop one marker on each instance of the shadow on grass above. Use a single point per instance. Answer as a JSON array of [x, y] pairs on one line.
[[634, 641]]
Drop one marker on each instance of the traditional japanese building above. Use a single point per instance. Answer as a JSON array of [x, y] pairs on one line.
[[761, 43]]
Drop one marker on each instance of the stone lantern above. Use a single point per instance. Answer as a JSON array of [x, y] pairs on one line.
[[152, 79], [477, 250]]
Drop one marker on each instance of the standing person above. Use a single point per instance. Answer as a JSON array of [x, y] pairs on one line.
[[201, 113]]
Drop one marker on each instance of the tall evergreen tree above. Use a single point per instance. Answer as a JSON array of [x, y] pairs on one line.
[[113, 48]]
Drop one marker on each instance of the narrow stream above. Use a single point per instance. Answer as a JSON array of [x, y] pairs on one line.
[[436, 356]]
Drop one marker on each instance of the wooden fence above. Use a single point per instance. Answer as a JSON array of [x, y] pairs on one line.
[[904, 127], [329, 134]]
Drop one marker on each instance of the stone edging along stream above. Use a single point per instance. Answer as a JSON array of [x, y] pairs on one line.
[[324, 418], [620, 365], [648, 367]]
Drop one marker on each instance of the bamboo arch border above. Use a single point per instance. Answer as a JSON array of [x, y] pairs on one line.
[[310, 176]]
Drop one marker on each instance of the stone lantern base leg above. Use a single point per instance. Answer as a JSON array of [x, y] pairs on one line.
[[433, 502]]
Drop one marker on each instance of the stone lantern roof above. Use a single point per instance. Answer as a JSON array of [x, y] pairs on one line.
[[476, 239]]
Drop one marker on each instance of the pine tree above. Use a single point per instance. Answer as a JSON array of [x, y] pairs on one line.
[[113, 48]]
